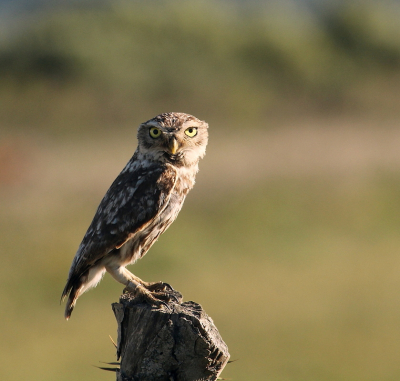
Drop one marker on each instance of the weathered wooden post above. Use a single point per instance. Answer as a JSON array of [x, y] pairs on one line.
[[177, 342]]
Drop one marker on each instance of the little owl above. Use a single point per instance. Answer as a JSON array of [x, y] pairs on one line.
[[140, 205]]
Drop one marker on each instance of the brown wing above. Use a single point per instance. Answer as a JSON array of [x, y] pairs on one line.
[[133, 201]]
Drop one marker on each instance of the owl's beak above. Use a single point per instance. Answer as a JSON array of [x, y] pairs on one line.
[[173, 145]]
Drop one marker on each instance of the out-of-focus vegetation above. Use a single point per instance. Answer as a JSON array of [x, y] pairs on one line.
[[290, 238], [95, 67]]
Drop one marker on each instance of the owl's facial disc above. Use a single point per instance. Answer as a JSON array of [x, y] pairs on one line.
[[177, 138]]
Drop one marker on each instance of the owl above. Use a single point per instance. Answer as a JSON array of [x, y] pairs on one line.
[[139, 206]]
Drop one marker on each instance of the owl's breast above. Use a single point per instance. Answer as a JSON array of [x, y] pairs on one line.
[[141, 242]]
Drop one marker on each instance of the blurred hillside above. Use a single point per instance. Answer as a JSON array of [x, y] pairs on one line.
[[290, 238], [83, 68]]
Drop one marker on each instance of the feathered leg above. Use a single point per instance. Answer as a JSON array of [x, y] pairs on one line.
[[152, 293]]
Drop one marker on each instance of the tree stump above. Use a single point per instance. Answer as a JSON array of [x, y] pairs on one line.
[[177, 342]]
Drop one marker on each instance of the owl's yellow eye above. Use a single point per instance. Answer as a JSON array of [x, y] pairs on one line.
[[191, 131], [155, 132]]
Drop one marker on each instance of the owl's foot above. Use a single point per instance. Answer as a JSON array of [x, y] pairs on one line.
[[154, 298], [157, 286]]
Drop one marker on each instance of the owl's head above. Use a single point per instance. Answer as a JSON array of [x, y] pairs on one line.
[[174, 137]]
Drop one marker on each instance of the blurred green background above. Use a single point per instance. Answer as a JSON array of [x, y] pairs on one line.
[[290, 239]]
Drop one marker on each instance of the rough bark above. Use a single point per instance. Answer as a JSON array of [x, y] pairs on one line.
[[177, 342]]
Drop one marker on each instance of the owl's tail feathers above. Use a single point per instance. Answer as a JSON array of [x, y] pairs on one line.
[[73, 289], [78, 283], [73, 296]]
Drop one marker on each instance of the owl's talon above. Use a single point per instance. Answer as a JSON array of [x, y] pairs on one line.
[[153, 298], [169, 286], [165, 305], [176, 299], [170, 296], [162, 296], [157, 299], [157, 286]]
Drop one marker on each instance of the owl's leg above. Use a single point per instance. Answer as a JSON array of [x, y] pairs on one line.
[[123, 275], [139, 288]]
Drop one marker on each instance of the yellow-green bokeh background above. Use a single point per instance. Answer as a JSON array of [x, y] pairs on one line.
[[290, 239]]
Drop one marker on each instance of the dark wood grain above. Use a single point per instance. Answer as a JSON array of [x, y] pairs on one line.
[[177, 342]]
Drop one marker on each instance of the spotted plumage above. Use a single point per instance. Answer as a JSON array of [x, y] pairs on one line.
[[140, 205]]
